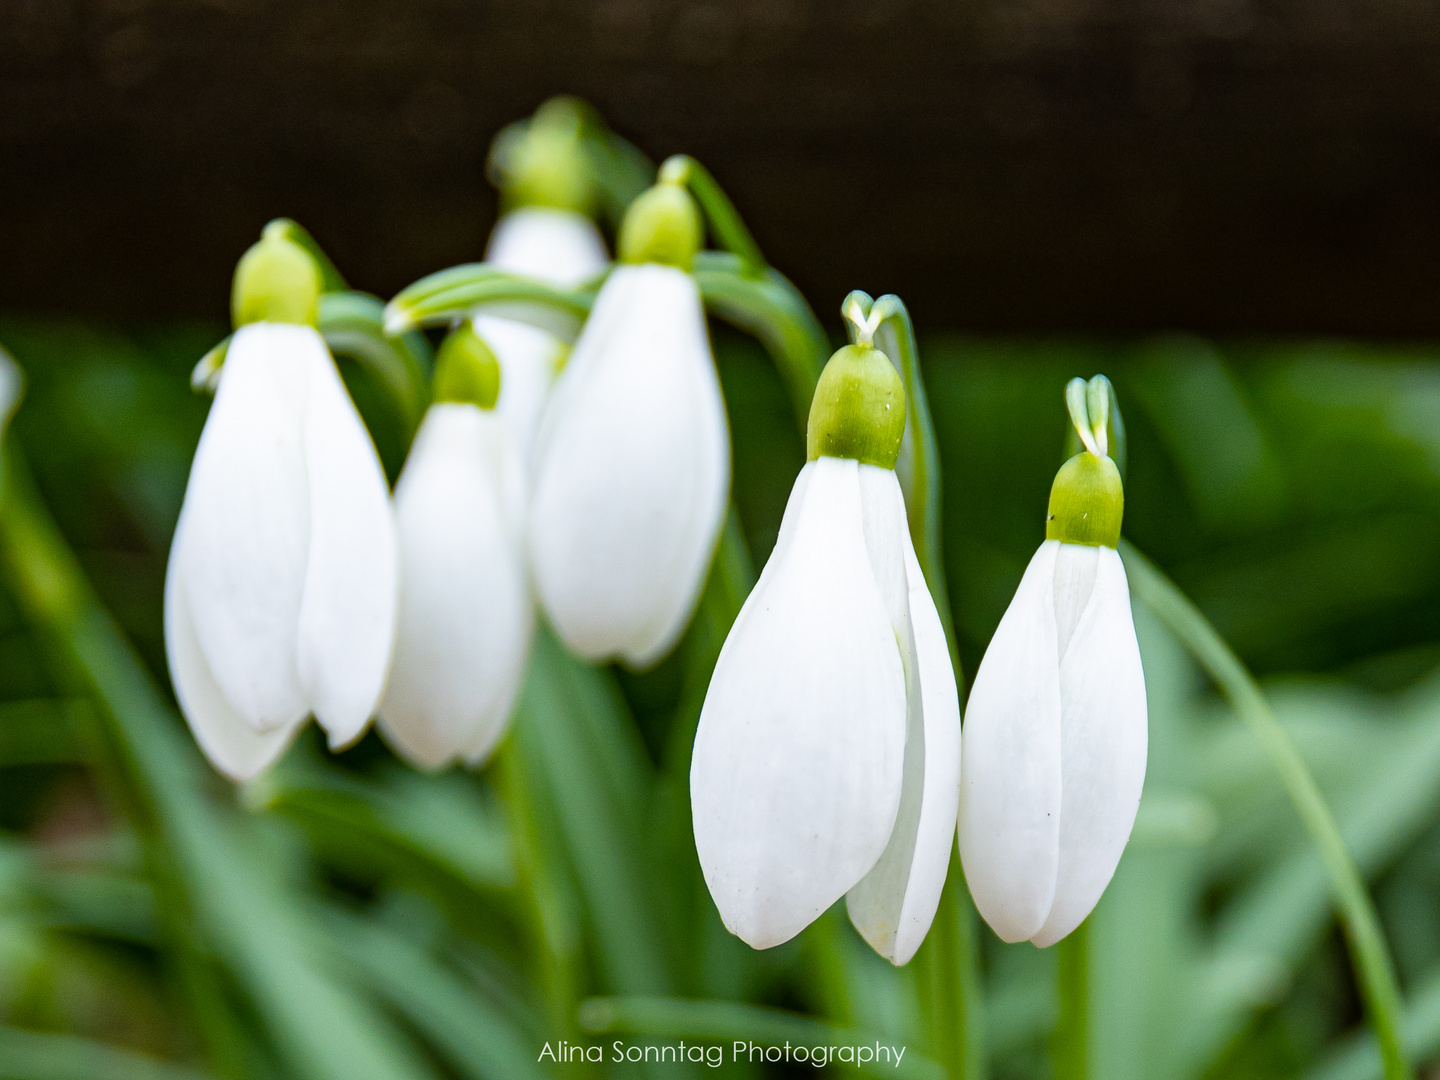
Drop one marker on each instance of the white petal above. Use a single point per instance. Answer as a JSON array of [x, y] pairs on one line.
[[1075, 567], [1010, 785], [247, 508], [465, 613], [632, 471], [709, 497], [895, 904], [347, 616], [1103, 746], [796, 775], [555, 246], [232, 746], [529, 358]]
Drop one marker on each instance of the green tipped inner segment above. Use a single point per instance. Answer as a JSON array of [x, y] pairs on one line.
[[859, 409], [466, 370], [1087, 502]]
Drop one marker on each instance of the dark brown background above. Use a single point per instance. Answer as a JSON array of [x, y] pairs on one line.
[[1216, 165]]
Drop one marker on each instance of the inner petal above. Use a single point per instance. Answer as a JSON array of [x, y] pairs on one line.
[[1074, 582]]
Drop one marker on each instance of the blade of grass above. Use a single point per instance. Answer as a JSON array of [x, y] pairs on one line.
[[1368, 950], [37, 1055], [222, 879]]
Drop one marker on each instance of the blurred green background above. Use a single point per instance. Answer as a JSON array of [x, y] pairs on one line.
[[460, 922]]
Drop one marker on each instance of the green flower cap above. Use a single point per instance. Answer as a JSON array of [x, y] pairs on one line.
[[466, 370], [662, 225], [545, 164], [858, 410], [277, 280], [1087, 500]]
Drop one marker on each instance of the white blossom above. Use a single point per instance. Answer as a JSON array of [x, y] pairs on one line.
[[280, 592], [466, 616], [631, 471], [827, 757], [1055, 744]]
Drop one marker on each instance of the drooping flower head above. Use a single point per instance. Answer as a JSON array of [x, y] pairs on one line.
[[827, 757], [280, 589], [1055, 729], [545, 232], [631, 465], [466, 617]]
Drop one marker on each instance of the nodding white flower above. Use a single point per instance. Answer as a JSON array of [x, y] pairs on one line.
[[1055, 729], [281, 586], [632, 462], [561, 248], [466, 617], [827, 758]]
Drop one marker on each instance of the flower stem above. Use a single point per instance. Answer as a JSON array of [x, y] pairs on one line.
[[1368, 951], [1071, 1048], [950, 972], [725, 221]]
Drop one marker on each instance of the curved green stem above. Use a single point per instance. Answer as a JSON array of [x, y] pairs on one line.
[[895, 336], [725, 221], [1368, 950], [353, 325], [772, 309], [462, 290], [948, 964]]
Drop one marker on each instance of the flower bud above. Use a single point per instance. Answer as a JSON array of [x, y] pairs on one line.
[[466, 370], [276, 281], [662, 226], [547, 165], [1087, 502], [858, 410]]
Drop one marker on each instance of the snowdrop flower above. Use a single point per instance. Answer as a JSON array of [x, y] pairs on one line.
[[466, 616], [631, 470], [280, 591], [545, 233], [1055, 730], [827, 759]]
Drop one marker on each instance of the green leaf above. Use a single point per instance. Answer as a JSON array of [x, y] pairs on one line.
[[474, 1036], [569, 723], [35, 1055]]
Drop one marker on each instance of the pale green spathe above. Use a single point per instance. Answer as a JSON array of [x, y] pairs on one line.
[[858, 410], [276, 281], [1087, 502], [662, 225], [466, 370]]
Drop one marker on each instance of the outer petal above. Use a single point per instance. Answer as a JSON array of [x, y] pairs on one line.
[[1103, 747], [895, 904], [796, 775], [232, 746], [1010, 786], [632, 471], [709, 494], [247, 512], [347, 616], [529, 358], [465, 613], [555, 246]]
